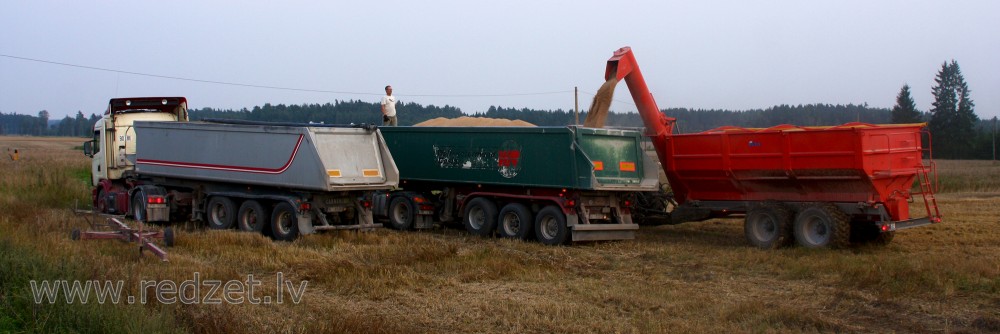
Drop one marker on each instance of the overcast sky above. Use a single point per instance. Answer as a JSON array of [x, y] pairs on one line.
[[693, 54]]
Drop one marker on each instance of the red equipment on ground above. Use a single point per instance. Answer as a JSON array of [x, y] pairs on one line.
[[824, 186]]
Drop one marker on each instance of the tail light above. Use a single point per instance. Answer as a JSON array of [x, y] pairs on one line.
[[156, 200], [426, 207], [569, 203], [305, 206], [366, 204]]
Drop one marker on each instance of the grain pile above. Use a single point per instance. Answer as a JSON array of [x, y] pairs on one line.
[[473, 121], [598, 112]]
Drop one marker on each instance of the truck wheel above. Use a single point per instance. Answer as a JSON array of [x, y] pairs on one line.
[[221, 213], [139, 206], [768, 226], [823, 226], [101, 204], [168, 237], [401, 213], [480, 216], [550, 226], [252, 217], [284, 223], [515, 222]]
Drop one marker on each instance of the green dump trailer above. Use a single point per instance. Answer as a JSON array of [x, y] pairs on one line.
[[554, 184]]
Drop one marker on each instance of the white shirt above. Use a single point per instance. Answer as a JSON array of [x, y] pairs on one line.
[[389, 102]]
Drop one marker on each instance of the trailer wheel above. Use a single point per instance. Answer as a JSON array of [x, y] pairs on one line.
[[75, 234], [868, 233], [480, 216], [401, 213], [550, 226], [515, 222], [168, 237], [284, 224], [221, 213], [768, 226], [252, 217], [823, 226], [139, 206]]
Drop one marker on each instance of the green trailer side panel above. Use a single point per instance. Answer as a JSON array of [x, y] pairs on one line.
[[560, 157]]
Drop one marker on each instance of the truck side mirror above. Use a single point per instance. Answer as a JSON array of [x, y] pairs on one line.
[[88, 148]]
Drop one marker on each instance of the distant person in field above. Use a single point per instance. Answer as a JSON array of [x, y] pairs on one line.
[[13, 156], [388, 108]]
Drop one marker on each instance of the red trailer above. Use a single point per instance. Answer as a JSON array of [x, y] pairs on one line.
[[821, 186]]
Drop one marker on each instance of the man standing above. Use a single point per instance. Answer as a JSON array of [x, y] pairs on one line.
[[388, 107]]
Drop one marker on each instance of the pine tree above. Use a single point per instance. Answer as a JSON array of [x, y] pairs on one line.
[[953, 117], [905, 110]]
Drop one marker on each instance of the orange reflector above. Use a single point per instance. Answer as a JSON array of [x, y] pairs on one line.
[[333, 172], [370, 172], [598, 165], [626, 166]]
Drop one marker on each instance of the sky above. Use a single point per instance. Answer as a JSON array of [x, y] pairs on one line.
[[475, 54]]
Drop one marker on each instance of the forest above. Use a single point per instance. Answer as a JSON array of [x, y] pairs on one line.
[[358, 111]]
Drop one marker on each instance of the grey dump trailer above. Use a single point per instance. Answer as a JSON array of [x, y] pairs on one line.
[[283, 180]]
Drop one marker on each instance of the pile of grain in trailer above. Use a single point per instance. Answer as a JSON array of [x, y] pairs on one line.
[[473, 121]]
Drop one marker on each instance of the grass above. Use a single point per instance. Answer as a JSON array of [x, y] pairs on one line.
[[695, 277]]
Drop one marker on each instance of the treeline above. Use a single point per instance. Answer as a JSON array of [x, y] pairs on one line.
[[27, 125], [338, 112], [357, 111], [695, 120]]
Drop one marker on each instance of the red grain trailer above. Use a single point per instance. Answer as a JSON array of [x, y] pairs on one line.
[[815, 185]]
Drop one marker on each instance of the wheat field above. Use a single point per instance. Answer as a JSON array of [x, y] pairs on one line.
[[694, 277]]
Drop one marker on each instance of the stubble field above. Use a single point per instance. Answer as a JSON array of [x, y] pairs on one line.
[[695, 277]]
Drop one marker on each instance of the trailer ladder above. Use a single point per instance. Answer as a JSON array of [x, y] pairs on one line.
[[927, 189]]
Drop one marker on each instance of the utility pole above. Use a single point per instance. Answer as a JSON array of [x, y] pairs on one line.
[[576, 105], [994, 140]]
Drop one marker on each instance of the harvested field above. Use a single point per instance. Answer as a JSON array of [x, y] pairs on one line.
[[695, 277], [473, 121]]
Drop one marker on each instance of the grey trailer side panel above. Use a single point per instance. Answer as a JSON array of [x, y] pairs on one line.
[[305, 158]]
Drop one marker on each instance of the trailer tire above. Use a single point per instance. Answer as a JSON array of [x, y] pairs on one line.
[[869, 233], [823, 226], [252, 217], [515, 222], [168, 237], [769, 226], [401, 213], [221, 213], [550, 226], [75, 234], [480, 216], [139, 206], [284, 223]]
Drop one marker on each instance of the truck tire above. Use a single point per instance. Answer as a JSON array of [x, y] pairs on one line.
[[515, 222], [101, 204], [284, 223], [221, 213], [401, 213], [252, 217], [168, 237], [139, 206], [769, 226], [550, 226], [480, 216], [823, 226]]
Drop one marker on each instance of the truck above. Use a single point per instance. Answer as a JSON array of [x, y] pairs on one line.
[[150, 162], [822, 187], [552, 184]]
